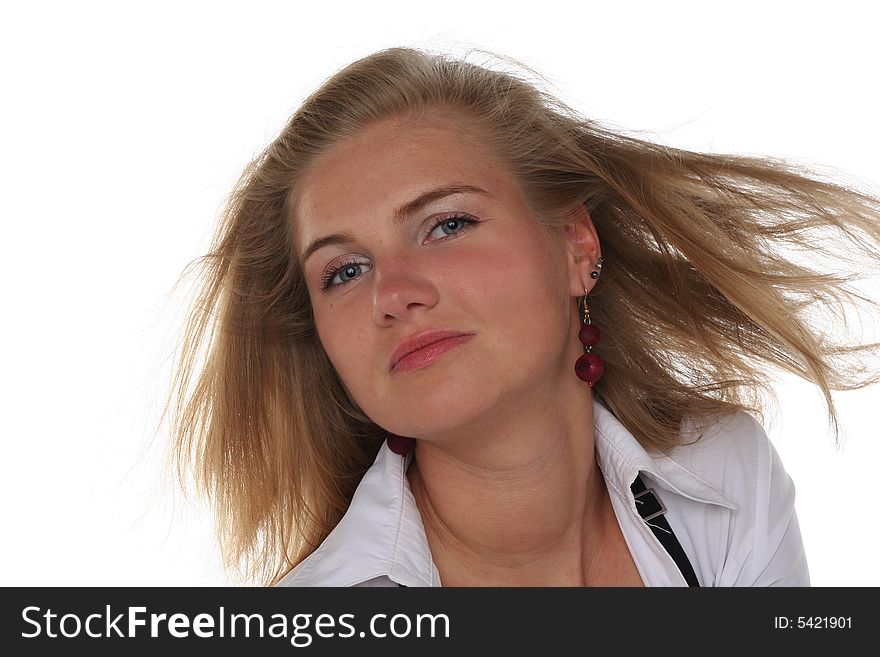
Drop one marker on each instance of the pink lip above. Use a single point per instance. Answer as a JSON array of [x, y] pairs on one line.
[[425, 348]]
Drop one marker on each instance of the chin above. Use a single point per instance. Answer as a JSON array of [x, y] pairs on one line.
[[432, 411]]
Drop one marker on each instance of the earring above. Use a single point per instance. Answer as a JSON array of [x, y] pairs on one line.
[[589, 367], [598, 270], [402, 445]]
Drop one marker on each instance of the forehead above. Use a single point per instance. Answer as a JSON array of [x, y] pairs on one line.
[[387, 164]]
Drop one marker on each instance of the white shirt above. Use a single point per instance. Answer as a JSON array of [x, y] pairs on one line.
[[728, 500]]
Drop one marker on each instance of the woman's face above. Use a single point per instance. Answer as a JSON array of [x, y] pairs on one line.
[[412, 228]]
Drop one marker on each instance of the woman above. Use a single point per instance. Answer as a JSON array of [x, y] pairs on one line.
[[454, 334]]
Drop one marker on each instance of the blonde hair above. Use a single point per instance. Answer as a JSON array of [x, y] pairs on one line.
[[698, 293]]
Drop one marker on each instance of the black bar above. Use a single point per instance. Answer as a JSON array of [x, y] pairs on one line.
[[516, 620]]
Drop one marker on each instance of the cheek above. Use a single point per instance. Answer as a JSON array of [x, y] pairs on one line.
[[342, 338], [520, 292], [534, 300], [528, 275]]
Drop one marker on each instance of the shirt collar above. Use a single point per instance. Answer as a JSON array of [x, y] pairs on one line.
[[382, 533], [621, 458]]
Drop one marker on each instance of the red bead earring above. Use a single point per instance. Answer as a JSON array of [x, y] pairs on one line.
[[402, 445], [589, 367]]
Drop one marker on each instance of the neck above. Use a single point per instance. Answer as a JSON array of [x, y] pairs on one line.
[[543, 505]]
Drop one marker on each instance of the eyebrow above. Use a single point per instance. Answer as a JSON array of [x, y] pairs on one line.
[[401, 214]]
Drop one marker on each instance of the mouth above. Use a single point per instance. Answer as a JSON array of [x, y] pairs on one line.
[[425, 348]]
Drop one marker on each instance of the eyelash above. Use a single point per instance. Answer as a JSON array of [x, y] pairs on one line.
[[326, 279]]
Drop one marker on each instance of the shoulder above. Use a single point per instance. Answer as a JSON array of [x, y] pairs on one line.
[[734, 456], [731, 454]]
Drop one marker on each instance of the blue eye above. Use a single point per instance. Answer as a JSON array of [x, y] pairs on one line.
[[452, 225], [345, 272]]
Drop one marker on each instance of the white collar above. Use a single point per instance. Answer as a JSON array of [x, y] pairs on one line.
[[621, 457], [382, 533]]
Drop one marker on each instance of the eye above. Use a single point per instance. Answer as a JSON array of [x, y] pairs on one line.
[[345, 273], [446, 227]]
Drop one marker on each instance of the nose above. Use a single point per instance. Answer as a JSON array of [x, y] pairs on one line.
[[401, 289]]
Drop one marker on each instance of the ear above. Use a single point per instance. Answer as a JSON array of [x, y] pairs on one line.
[[582, 250]]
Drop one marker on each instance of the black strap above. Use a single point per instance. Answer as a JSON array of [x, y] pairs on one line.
[[651, 510]]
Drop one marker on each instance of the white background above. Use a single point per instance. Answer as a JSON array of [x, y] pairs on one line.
[[124, 125]]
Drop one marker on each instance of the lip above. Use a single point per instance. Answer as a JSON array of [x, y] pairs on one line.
[[414, 351]]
